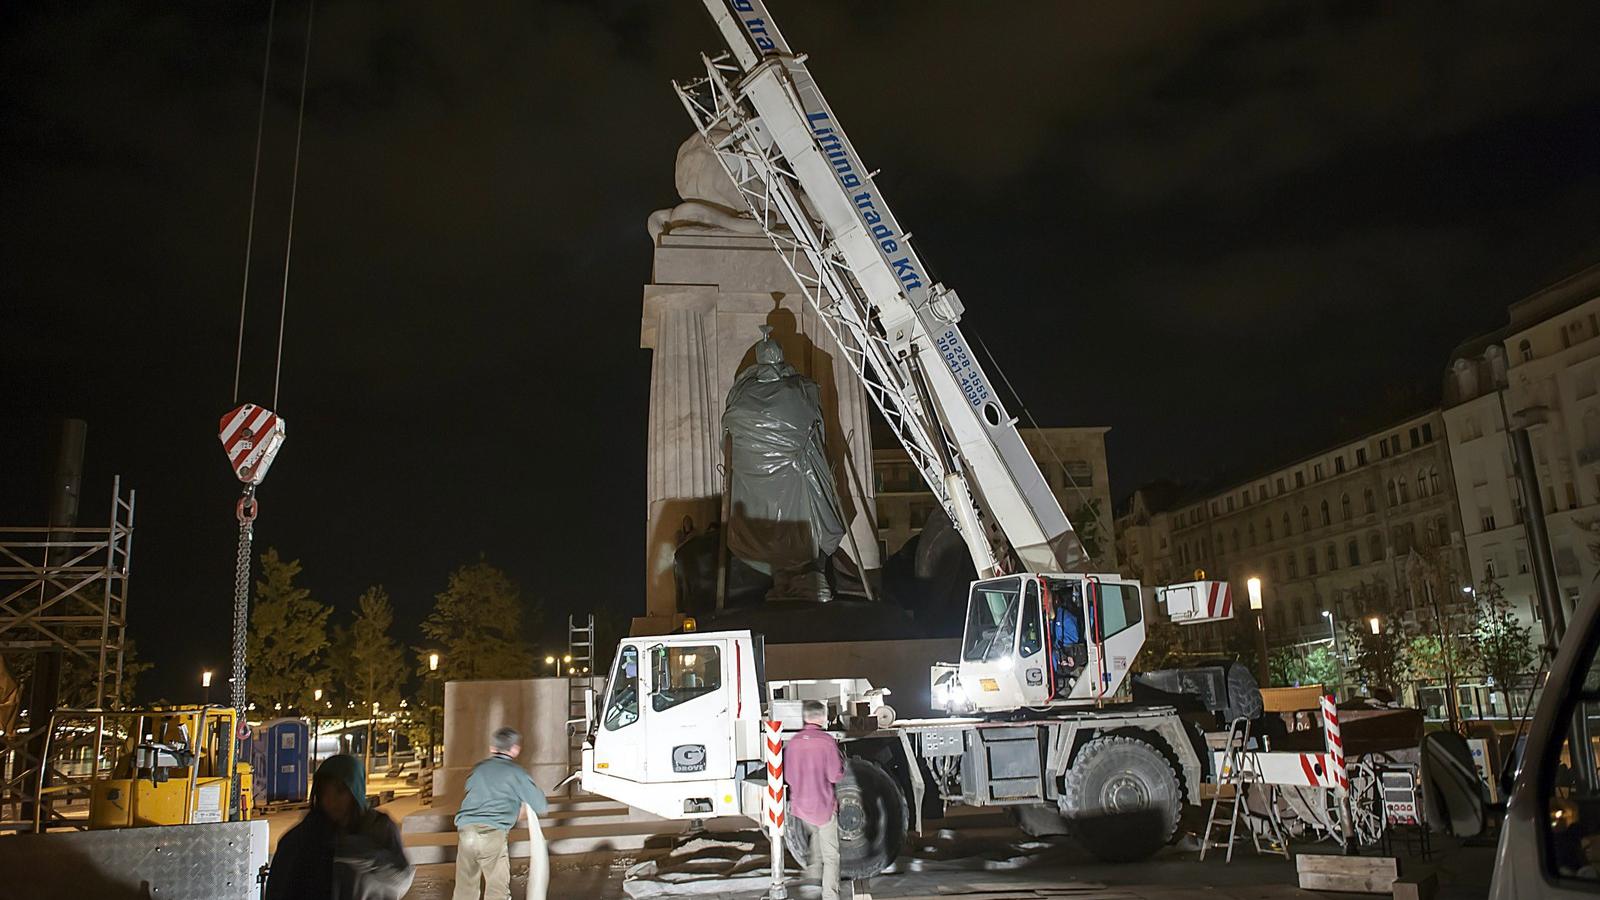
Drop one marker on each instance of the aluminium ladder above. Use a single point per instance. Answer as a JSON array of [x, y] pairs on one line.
[[1236, 783]]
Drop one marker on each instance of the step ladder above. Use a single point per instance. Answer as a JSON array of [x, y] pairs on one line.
[[580, 675], [1237, 784]]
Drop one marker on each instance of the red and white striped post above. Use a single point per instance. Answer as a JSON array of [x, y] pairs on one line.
[[1341, 775], [773, 806]]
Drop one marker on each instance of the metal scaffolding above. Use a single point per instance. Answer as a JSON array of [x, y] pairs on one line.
[[63, 603], [67, 589]]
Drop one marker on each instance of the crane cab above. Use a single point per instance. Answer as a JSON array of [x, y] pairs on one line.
[[1039, 640]]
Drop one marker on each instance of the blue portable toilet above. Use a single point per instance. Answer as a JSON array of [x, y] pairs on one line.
[[281, 761]]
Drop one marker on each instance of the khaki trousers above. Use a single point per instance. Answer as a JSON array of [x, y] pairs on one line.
[[822, 855], [481, 854]]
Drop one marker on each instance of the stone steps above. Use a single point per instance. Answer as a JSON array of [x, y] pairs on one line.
[[424, 848], [429, 821]]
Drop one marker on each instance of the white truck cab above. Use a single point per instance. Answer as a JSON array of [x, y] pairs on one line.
[[679, 713]]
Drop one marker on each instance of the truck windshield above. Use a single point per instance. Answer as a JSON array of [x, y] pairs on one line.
[[991, 619]]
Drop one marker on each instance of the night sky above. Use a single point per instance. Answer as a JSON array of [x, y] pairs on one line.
[[1231, 232]]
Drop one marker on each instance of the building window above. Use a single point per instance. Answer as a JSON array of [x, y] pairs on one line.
[[1375, 547], [1316, 471], [1394, 496], [1427, 432], [1281, 488], [1416, 438], [1333, 557], [1235, 542], [1361, 456], [1252, 534], [1300, 479], [1286, 529], [1352, 552], [1422, 482], [1526, 350], [1490, 570], [1338, 464], [1230, 503], [1430, 534], [1272, 568], [1294, 567], [1370, 500], [1344, 506], [1433, 479], [1522, 561], [1323, 512], [1268, 526], [1246, 496], [1311, 561], [1486, 518], [1394, 444], [1305, 520], [1213, 508]]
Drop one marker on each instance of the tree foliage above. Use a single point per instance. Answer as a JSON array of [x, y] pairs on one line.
[[1502, 644], [1382, 660], [377, 667], [1291, 668], [287, 636], [1163, 647], [476, 625]]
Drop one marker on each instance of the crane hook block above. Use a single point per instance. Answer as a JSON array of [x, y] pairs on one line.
[[252, 436]]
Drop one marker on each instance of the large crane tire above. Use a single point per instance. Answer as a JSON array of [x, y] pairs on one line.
[[873, 821], [1122, 798]]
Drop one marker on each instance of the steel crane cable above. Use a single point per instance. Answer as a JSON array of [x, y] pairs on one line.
[[294, 192], [255, 179], [1034, 424]]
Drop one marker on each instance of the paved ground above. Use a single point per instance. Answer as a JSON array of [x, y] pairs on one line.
[[990, 868]]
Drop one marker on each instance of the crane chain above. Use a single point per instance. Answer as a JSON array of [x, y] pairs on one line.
[[241, 597]]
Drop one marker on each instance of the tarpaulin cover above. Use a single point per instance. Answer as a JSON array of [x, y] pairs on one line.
[[785, 508]]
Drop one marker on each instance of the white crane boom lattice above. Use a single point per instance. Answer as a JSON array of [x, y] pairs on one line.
[[763, 116]]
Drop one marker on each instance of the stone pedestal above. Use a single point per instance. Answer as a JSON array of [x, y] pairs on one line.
[[537, 707], [709, 294]]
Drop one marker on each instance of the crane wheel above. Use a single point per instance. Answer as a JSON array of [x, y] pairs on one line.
[[1122, 798], [873, 820]]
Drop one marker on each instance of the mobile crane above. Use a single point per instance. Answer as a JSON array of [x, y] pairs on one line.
[[679, 732]]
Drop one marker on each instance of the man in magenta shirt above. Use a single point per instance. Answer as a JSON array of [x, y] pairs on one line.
[[812, 765]]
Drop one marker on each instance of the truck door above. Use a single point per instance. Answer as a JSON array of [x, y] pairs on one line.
[[619, 738], [688, 713], [1033, 663]]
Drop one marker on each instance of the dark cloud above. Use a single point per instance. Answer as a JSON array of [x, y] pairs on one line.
[[1229, 231]]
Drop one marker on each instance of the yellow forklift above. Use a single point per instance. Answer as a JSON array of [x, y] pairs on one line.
[[170, 766]]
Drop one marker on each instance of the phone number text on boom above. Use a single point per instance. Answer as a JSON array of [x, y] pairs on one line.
[[954, 351]]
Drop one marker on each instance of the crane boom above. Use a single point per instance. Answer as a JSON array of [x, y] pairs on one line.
[[769, 125]]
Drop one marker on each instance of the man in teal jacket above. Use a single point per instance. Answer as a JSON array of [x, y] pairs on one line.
[[497, 790]]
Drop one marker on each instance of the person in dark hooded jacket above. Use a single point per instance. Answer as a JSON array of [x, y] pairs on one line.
[[342, 849]]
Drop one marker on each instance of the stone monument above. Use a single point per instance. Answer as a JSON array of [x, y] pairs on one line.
[[715, 280]]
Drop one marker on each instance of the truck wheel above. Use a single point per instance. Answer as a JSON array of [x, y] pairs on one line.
[[1122, 798], [873, 820], [1040, 821]]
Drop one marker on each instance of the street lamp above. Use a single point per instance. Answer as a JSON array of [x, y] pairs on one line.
[[1333, 635], [205, 687], [1253, 585], [433, 670], [1375, 624], [316, 725], [557, 662]]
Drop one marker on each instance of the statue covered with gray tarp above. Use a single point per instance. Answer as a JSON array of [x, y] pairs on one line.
[[786, 517]]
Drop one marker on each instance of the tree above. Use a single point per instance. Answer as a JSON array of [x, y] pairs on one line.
[[1290, 668], [1503, 645], [288, 633], [377, 666], [1382, 660], [1163, 647], [476, 625]]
